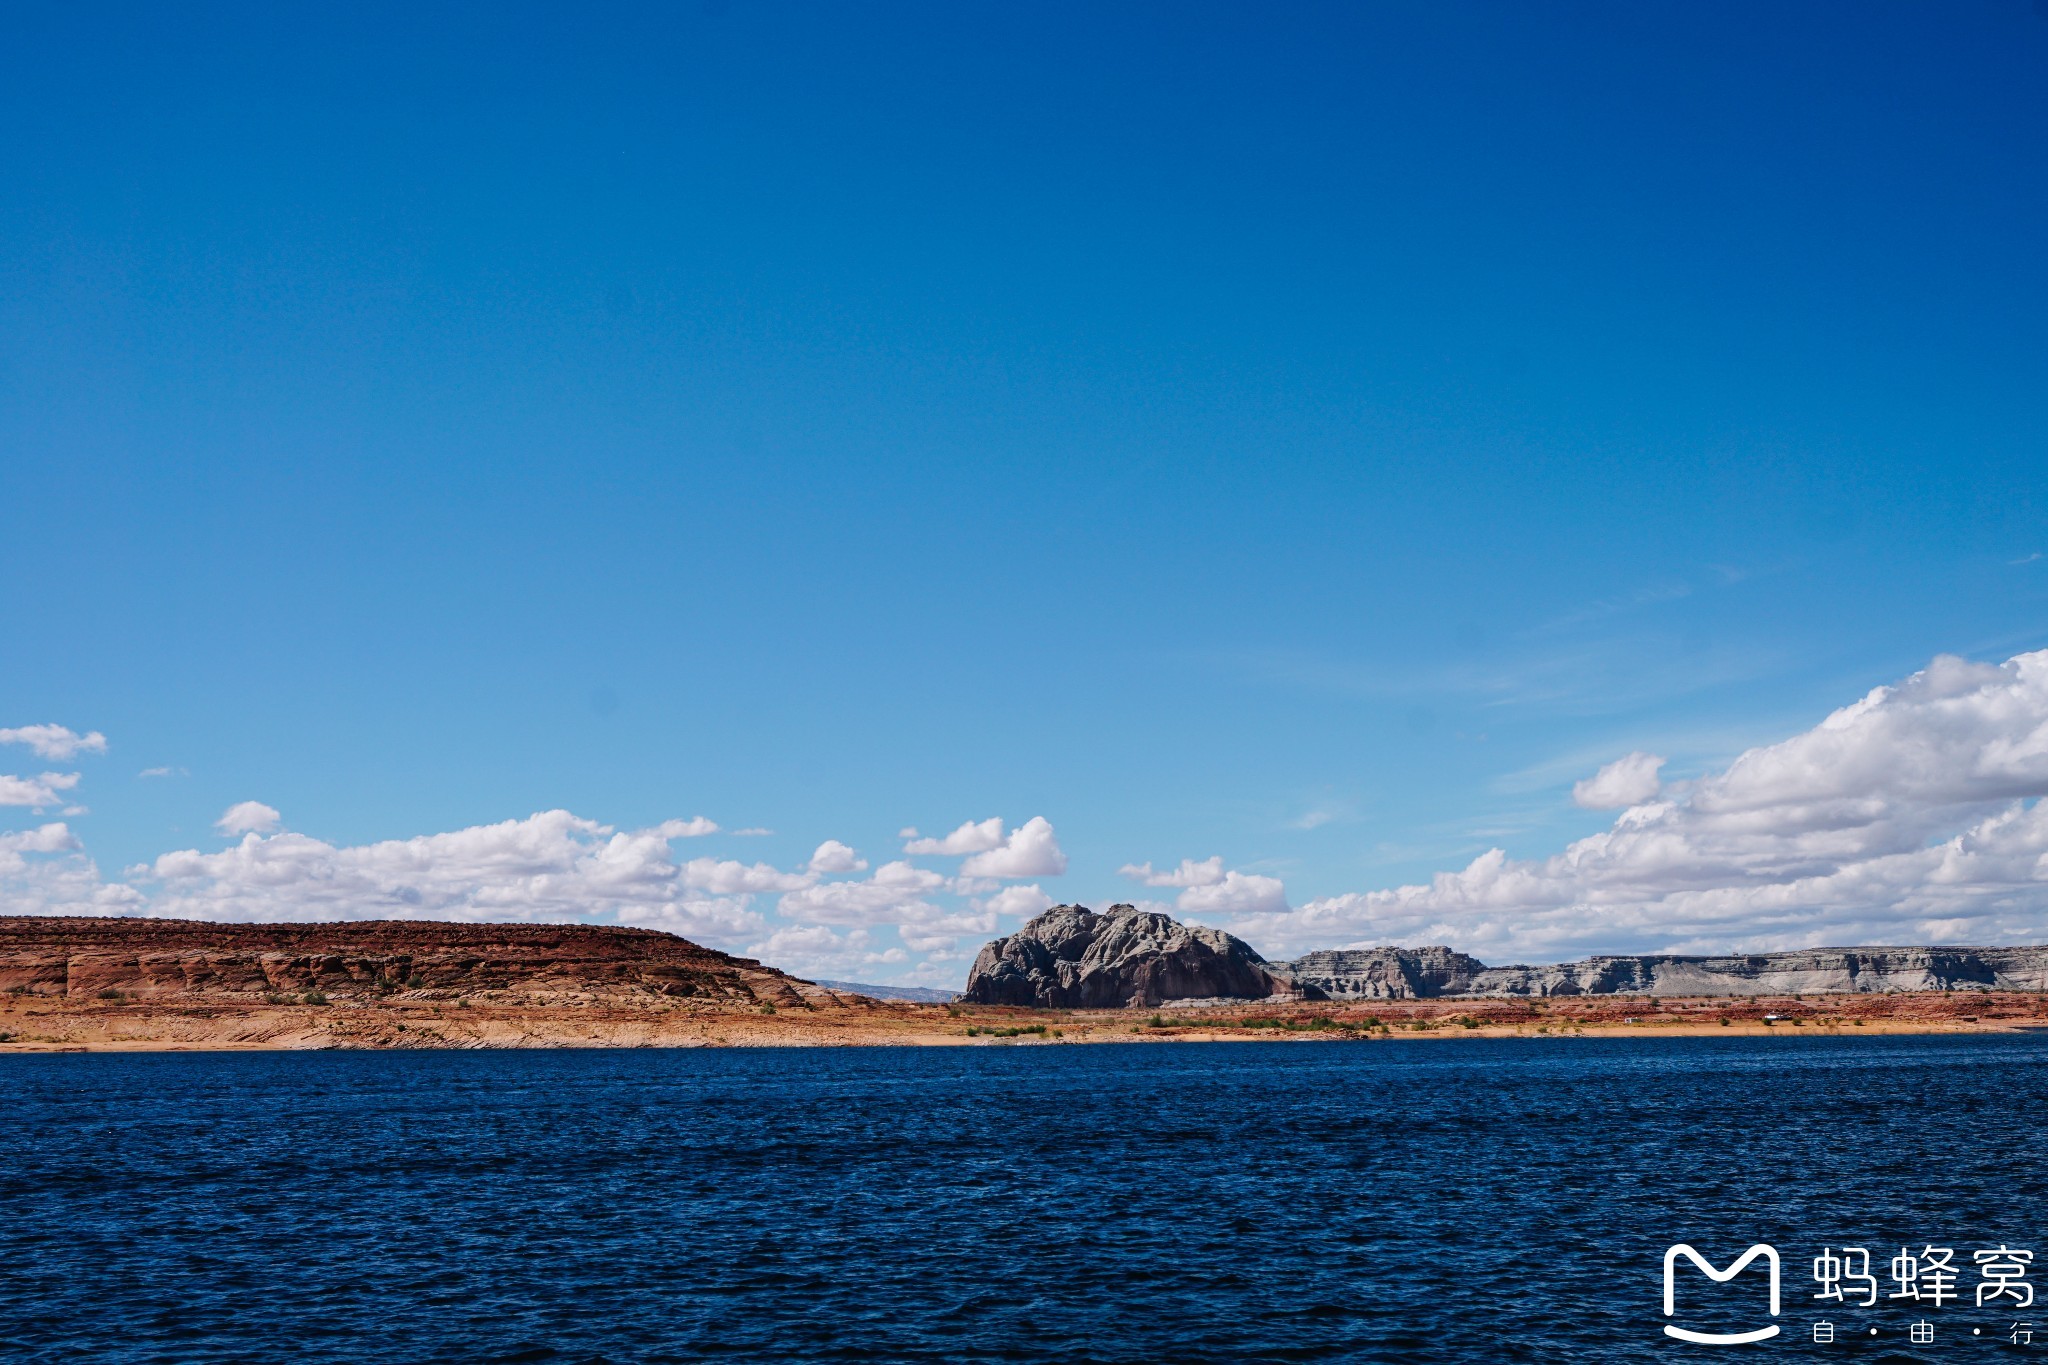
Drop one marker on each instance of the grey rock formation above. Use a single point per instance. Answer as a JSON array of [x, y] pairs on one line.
[[1387, 973], [1435, 973], [1072, 958]]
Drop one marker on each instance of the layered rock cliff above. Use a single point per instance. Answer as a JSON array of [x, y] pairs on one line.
[[149, 959], [1072, 958], [1435, 973]]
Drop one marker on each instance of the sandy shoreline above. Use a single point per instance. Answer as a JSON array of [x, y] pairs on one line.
[[43, 1024]]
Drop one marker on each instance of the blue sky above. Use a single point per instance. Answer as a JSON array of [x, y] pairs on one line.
[[1315, 439]]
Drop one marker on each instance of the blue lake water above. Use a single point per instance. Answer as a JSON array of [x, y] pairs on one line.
[[1459, 1201]]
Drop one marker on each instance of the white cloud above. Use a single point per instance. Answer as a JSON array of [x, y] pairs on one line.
[[55, 741], [55, 837], [248, 817], [1208, 872], [813, 951], [1628, 781], [975, 836], [896, 891], [897, 895], [160, 772], [550, 867], [1234, 893], [730, 878], [1909, 816], [833, 856], [36, 792], [1030, 851], [1021, 901], [696, 827], [752, 832], [60, 880]]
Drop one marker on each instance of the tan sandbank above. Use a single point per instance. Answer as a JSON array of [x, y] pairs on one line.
[[511, 1019]]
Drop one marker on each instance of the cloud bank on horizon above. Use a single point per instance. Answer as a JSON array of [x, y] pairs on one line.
[[1912, 815]]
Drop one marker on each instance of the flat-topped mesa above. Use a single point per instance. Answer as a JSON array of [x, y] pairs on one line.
[[1072, 958], [1387, 973], [160, 959], [1438, 973]]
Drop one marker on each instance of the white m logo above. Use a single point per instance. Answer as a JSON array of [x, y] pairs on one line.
[[1671, 1255]]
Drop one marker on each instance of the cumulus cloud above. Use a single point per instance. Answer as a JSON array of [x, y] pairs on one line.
[[1208, 872], [895, 891], [833, 856], [898, 895], [36, 792], [696, 827], [55, 837], [55, 742], [975, 836], [1628, 781], [1029, 851], [1021, 901], [1912, 815], [248, 817], [44, 871], [550, 867], [727, 877], [1235, 893], [812, 950]]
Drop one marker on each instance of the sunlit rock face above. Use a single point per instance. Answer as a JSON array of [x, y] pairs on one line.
[[1433, 973], [1073, 958]]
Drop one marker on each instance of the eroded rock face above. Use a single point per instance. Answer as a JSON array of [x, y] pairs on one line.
[[1432, 973], [157, 958], [1388, 973], [1072, 958]]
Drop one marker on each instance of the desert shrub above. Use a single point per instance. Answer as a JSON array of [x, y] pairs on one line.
[[111, 994], [415, 982], [313, 998]]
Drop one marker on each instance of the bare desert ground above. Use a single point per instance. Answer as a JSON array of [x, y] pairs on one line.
[[814, 1018]]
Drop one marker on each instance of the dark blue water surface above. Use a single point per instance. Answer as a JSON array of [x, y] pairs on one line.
[[1386, 1201]]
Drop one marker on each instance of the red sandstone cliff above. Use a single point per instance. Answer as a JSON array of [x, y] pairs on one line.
[[159, 959]]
